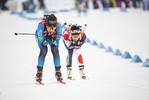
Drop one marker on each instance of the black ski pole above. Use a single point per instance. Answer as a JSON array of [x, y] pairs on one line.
[[84, 27], [33, 33], [64, 24], [25, 34]]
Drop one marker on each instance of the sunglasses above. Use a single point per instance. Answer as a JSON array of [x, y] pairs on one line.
[[49, 28]]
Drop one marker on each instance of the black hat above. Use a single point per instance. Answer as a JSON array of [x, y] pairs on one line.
[[51, 21], [75, 30]]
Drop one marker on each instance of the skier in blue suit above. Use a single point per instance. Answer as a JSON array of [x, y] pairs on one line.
[[48, 32]]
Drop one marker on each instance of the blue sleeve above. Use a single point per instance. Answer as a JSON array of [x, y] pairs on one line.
[[59, 29], [40, 29], [40, 32]]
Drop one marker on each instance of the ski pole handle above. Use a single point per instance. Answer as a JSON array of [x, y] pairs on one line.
[[25, 34], [64, 24]]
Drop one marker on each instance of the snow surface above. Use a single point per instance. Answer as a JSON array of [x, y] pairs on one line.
[[110, 76]]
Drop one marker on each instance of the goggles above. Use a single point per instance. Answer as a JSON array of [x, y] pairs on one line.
[[75, 36], [51, 28]]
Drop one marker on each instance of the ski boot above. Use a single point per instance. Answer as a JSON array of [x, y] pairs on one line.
[[39, 75], [59, 77], [83, 76], [69, 76], [58, 74]]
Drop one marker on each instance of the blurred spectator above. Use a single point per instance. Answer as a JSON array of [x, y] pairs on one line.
[[95, 4], [81, 6], [145, 4], [2, 5], [119, 3], [86, 3], [137, 3], [104, 3], [126, 3], [76, 3], [42, 5], [108, 3], [113, 3], [29, 5]]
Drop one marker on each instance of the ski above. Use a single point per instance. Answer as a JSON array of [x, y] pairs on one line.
[[62, 82], [73, 79], [85, 78], [39, 82], [70, 78]]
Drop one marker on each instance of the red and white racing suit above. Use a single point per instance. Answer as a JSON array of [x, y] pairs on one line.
[[76, 49]]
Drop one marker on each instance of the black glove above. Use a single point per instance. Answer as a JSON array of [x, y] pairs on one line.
[[78, 43], [50, 38], [75, 44]]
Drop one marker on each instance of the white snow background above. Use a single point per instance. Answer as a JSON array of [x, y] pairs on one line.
[[110, 77]]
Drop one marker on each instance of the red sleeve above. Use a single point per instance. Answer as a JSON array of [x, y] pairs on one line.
[[66, 36]]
